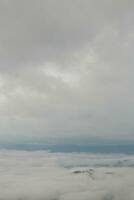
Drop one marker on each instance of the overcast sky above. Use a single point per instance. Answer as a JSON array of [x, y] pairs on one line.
[[66, 70]]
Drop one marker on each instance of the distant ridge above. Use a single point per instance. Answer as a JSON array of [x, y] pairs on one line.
[[69, 148]]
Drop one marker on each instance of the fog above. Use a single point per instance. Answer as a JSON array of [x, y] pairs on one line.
[[46, 176]]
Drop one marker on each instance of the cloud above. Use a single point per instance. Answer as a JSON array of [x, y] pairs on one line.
[[66, 69], [38, 175]]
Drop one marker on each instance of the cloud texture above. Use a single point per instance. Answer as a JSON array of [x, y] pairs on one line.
[[39, 175], [66, 69]]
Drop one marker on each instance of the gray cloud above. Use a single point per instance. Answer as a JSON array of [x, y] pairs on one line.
[[66, 69]]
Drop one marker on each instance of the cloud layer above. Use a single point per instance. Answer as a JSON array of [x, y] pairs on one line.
[[39, 175], [66, 69]]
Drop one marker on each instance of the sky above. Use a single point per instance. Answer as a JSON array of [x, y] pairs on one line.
[[66, 71]]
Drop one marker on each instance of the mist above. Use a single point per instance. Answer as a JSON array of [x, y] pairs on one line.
[[57, 176]]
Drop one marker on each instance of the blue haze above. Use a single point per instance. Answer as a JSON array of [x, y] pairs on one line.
[[70, 148]]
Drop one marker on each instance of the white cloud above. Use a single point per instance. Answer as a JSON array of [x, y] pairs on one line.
[[70, 79], [38, 175]]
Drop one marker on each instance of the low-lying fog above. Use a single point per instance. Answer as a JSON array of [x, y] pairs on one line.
[[57, 176]]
